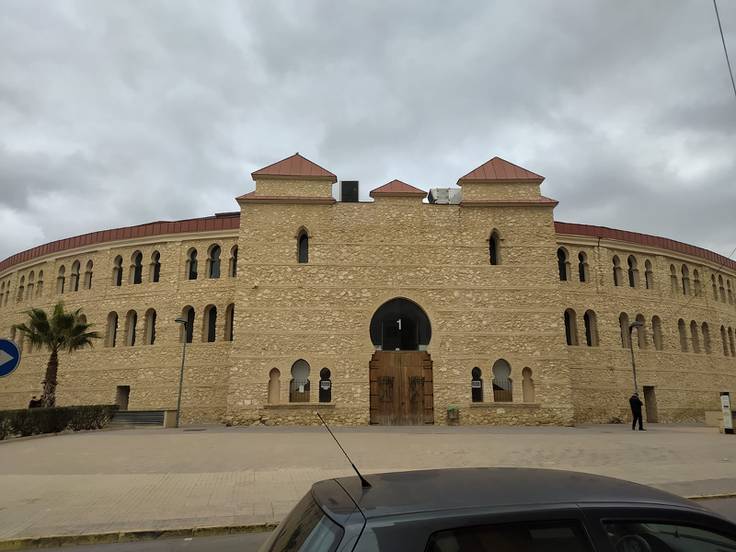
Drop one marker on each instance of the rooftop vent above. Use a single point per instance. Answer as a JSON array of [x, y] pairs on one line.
[[349, 191], [445, 196]]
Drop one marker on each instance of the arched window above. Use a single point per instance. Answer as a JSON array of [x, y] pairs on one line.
[[213, 261], [61, 280], [641, 332], [682, 329], [563, 264], [673, 279], [633, 271], [617, 271], [136, 268], [31, 284], [527, 385], [2, 292], [131, 321], [724, 341], [591, 328], [39, 286], [274, 386], [209, 322], [494, 248], [74, 277], [729, 292], [325, 386], [648, 274], [694, 338], [191, 264], [154, 269], [697, 286], [400, 325], [583, 267], [187, 330], [88, 275], [233, 270], [731, 344], [21, 290], [721, 289], [657, 333], [623, 322], [229, 321], [705, 330], [715, 288], [117, 271], [299, 384], [302, 247], [476, 385], [571, 327], [502, 382], [685, 280], [150, 327]]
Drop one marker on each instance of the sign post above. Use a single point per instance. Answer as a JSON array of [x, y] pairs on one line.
[[9, 357], [727, 415]]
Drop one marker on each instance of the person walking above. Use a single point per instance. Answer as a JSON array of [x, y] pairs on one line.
[[636, 404]]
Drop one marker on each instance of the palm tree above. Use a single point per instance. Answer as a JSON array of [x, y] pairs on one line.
[[62, 331]]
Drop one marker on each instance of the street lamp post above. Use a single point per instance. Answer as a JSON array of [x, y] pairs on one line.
[[184, 322], [631, 347]]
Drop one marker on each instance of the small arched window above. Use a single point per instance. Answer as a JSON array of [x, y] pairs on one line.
[[61, 280], [74, 277], [721, 289], [657, 333], [648, 275], [682, 330], [209, 324], [715, 287], [641, 332], [117, 271], [685, 280], [274, 386], [673, 279], [229, 321], [31, 284], [527, 385], [502, 382], [21, 290], [591, 328], [213, 261], [563, 264], [191, 264], [302, 247], [732, 345], [633, 271], [724, 341], [233, 269], [154, 270], [571, 329], [299, 384], [705, 330], [697, 286], [623, 322], [186, 332], [617, 271], [131, 321], [729, 292], [583, 274], [476, 385], [136, 267], [494, 248], [39, 286], [150, 327], [88, 274], [325, 386]]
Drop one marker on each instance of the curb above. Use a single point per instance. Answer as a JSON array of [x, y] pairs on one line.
[[130, 536], [712, 496]]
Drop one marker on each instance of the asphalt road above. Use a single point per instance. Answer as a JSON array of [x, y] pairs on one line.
[[249, 542]]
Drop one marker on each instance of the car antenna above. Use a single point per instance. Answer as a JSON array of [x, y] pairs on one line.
[[363, 482]]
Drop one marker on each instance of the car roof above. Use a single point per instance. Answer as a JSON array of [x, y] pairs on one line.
[[447, 489]]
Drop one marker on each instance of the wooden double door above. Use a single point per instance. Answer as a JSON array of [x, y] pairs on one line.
[[401, 391]]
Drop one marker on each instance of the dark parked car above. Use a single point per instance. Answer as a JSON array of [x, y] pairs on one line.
[[497, 510]]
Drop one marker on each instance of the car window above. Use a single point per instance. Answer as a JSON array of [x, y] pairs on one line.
[[305, 529], [633, 536], [516, 537]]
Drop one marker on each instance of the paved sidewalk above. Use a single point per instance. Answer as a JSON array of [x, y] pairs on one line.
[[165, 479]]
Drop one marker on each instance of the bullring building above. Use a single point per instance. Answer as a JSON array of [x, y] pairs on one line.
[[405, 309]]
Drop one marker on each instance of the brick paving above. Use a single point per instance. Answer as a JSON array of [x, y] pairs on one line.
[[164, 479]]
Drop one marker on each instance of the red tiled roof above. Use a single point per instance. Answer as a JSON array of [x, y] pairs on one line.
[[397, 188], [658, 242], [500, 170], [295, 166]]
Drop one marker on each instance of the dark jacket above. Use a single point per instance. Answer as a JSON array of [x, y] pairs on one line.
[[635, 403]]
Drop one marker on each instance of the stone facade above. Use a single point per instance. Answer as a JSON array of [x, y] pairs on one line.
[[362, 255]]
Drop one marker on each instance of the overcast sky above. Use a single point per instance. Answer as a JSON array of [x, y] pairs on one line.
[[115, 113]]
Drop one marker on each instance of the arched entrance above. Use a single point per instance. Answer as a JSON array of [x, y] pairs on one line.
[[401, 391]]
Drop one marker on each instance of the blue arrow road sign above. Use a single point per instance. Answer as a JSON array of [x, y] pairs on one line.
[[9, 357]]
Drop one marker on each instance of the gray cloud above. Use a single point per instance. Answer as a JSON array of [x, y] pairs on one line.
[[117, 113]]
